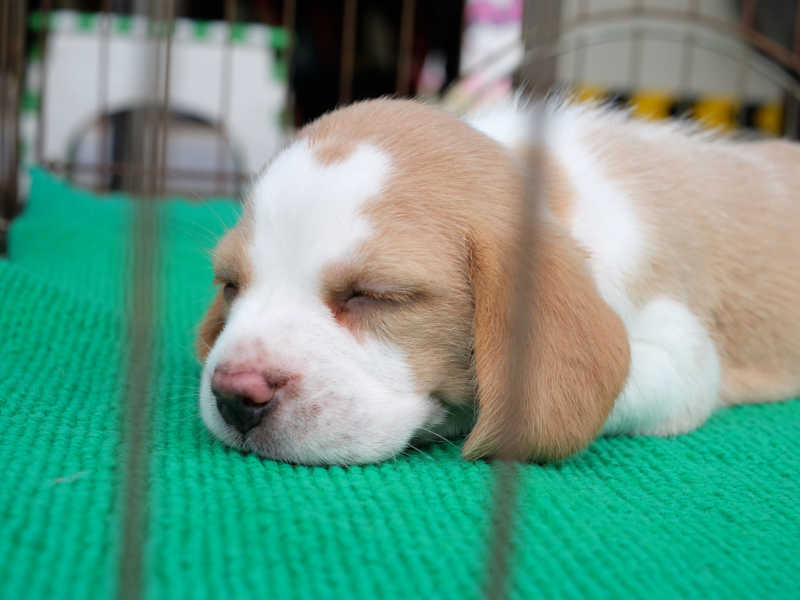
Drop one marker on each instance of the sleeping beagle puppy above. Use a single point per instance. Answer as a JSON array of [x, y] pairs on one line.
[[364, 295]]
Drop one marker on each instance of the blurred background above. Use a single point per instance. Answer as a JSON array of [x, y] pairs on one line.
[[192, 97], [159, 98]]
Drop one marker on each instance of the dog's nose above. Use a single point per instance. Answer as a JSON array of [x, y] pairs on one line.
[[243, 396]]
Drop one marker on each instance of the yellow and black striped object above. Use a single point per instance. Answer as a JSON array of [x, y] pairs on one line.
[[716, 112]]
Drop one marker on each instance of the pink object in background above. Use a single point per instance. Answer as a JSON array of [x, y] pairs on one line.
[[491, 51], [493, 11]]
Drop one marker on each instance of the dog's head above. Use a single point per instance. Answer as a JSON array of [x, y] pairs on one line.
[[364, 301]]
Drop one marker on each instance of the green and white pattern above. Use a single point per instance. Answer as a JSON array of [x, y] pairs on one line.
[[201, 50]]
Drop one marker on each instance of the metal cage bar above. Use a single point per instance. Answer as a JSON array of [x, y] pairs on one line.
[[348, 53], [541, 19], [147, 145], [12, 49], [406, 49]]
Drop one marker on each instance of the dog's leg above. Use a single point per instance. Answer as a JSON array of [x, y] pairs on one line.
[[674, 380]]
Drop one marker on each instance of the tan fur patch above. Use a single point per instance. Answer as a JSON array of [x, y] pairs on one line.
[[210, 326], [231, 264], [721, 221], [329, 154]]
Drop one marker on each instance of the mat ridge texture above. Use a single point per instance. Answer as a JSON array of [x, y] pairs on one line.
[[712, 514]]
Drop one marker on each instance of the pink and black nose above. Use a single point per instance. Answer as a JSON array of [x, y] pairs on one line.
[[244, 396]]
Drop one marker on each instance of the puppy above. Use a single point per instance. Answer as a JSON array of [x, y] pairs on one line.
[[365, 294]]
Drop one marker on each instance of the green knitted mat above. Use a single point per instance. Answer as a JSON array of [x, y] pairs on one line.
[[712, 514]]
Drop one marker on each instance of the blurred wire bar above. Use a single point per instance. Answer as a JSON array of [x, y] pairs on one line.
[[12, 24], [406, 50], [225, 95], [147, 146], [289, 24], [348, 53], [541, 25]]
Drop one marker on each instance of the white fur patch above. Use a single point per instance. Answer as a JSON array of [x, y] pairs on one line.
[[674, 377], [674, 380], [352, 401], [603, 220], [509, 124], [308, 214]]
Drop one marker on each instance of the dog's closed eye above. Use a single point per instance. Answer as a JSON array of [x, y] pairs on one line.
[[358, 299], [363, 296], [230, 289], [362, 301]]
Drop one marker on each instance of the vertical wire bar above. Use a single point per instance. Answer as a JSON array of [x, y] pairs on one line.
[[44, 11], [288, 22], [8, 166], [103, 66], [579, 68], [748, 21], [225, 92], [19, 71], [5, 74], [406, 47], [142, 305], [506, 480], [688, 48], [635, 57], [792, 118], [162, 129], [748, 24], [796, 36], [148, 146], [541, 26], [791, 102], [348, 57], [542, 17]]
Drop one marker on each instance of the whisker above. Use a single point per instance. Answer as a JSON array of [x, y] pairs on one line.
[[222, 222], [425, 454], [193, 227], [439, 435]]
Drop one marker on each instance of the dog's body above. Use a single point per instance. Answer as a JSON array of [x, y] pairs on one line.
[[369, 284]]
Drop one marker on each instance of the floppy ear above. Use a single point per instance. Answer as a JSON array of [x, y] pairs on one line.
[[210, 327], [577, 352]]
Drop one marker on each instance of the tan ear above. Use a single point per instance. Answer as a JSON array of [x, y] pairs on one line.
[[577, 361], [210, 327]]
